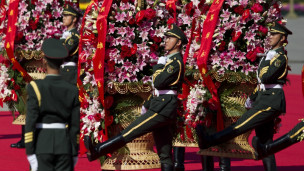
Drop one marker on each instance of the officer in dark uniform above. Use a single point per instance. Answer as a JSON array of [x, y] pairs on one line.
[[70, 39], [295, 135], [268, 99], [160, 117], [53, 116]]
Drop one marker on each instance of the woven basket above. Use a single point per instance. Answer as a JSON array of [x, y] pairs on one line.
[[239, 146], [20, 120], [141, 154]]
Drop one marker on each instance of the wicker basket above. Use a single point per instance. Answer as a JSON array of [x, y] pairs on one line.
[[20, 120], [239, 146], [141, 154]]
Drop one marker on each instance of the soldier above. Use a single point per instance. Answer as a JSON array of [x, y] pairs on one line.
[[53, 116], [268, 99], [70, 39], [295, 135], [161, 109]]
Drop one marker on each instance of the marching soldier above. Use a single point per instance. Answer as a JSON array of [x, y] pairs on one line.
[[295, 135], [70, 39], [161, 109], [268, 99], [53, 116]]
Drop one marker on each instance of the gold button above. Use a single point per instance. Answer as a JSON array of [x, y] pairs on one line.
[[272, 93], [163, 99], [68, 70]]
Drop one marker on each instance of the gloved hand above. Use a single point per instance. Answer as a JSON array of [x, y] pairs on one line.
[[162, 60], [248, 103], [33, 162], [75, 160], [270, 54], [143, 110]]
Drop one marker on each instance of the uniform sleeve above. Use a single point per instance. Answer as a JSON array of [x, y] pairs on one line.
[[167, 75], [32, 114], [275, 69], [74, 126], [72, 43]]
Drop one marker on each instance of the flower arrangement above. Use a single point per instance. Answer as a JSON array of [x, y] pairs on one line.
[[197, 104], [37, 20], [133, 44], [12, 91], [241, 34]]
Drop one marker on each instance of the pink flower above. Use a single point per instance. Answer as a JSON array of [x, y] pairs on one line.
[[120, 17], [226, 15]]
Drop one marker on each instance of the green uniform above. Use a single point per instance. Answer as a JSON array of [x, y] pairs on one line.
[[268, 103], [71, 41], [52, 100], [161, 114]]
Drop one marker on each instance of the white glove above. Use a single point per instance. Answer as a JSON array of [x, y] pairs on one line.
[[248, 103], [162, 60], [75, 160], [143, 110], [33, 162], [270, 54]]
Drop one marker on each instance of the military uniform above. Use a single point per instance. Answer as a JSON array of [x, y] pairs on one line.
[[70, 39], [161, 111], [268, 103], [53, 118], [295, 135]]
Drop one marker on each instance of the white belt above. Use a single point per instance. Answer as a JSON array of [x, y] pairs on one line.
[[68, 64], [159, 92], [51, 125], [264, 86]]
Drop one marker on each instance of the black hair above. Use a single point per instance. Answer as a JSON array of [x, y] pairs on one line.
[[54, 63]]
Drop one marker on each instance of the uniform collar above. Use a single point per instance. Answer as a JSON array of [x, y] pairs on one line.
[[168, 56], [53, 77]]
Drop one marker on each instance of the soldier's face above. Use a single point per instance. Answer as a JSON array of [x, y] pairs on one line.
[[170, 42], [67, 20], [276, 39]]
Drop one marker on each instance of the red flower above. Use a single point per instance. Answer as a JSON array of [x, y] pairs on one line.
[[170, 22], [156, 39], [34, 2], [154, 47], [222, 46], [140, 16], [4, 61], [276, 6], [263, 30], [111, 65], [19, 36], [252, 55], [246, 14], [236, 35], [257, 8], [189, 9], [16, 87], [125, 51], [48, 14], [14, 96], [125, 1], [134, 49], [33, 25], [150, 13], [97, 117], [132, 21], [239, 9], [204, 9]]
